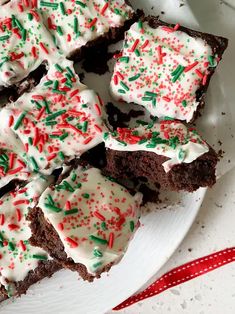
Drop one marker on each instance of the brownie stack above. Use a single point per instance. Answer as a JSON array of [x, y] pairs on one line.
[[62, 162]]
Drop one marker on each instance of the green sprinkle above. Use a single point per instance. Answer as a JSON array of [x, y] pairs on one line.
[[133, 78], [40, 257], [1, 237], [124, 59], [74, 176], [178, 74], [121, 91], [58, 68], [137, 52], [53, 208], [48, 83], [62, 8], [151, 94], [52, 123], [56, 91], [11, 246], [182, 154], [56, 84], [168, 118], [18, 24], [124, 85], [3, 38], [117, 11], [140, 24], [132, 225], [75, 25], [84, 127], [63, 136], [61, 155], [71, 211], [147, 98], [154, 102], [86, 195], [122, 143], [68, 186], [176, 71], [144, 140], [34, 163], [50, 199], [184, 103], [70, 71], [30, 16], [103, 225], [151, 145], [83, 5], [55, 115], [24, 34], [98, 240], [212, 61], [97, 253], [141, 122], [59, 30], [30, 140], [19, 121], [46, 106], [49, 4], [96, 265]]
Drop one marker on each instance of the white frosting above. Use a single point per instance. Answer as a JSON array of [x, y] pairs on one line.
[[18, 55], [145, 72], [17, 256], [103, 209], [71, 22], [77, 128], [161, 140]]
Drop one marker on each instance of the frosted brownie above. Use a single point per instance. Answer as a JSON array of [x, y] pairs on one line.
[[166, 68], [25, 44], [78, 25], [86, 222], [21, 264], [57, 121], [166, 153]]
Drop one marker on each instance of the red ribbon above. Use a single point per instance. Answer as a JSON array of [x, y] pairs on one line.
[[182, 274]]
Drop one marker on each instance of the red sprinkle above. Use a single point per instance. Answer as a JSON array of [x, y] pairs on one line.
[[22, 245], [68, 205], [104, 8], [34, 52], [60, 226], [18, 214], [145, 44], [43, 47], [11, 121], [191, 66], [111, 240], [13, 227], [199, 73], [72, 243], [99, 216], [87, 140], [204, 80], [115, 79], [92, 23], [2, 219], [20, 202], [134, 45], [98, 110], [97, 128], [52, 156], [16, 170]]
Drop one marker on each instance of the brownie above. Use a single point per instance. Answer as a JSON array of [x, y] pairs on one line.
[[23, 52], [56, 121], [85, 222], [166, 68], [166, 153], [21, 264], [94, 24]]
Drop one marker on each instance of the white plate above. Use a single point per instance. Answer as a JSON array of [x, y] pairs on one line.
[[162, 230]]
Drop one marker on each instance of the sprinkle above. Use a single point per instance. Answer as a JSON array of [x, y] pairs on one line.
[[96, 265], [40, 257], [191, 66], [3, 38], [145, 44], [124, 59], [204, 80], [182, 155], [97, 253], [99, 216], [134, 45], [62, 8], [73, 243], [11, 246], [103, 226], [18, 214], [92, 23], [98, 240], [86, 195], [124, 86], [22, 245], [104, 8], [71, 211], [43, 47], [49, 4], [199, 73], [132, 225], [19, 121], [177, 73], [184, 103], [83, 5], [55, 115], [2, 220], [53, 208], [98, 110], [111, 240], [20, 202], [34, 164]]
